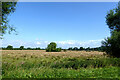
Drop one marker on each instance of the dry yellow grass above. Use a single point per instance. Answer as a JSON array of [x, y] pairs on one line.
[[43, 53]]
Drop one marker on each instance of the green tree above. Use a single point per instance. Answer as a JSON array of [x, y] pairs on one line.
[[58, 49], [113, 19], [111, 45], [9, 47], [64, 50], [51, 47], [75, 48], [37, 48], [7, 9], [70, 48], [21, 47], [29, 48], [81, 48], [88, 49]]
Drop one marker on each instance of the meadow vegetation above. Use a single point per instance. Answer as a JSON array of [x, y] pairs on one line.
[[69, 64]]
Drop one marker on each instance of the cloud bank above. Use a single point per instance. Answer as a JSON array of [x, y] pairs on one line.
[[62, 44]]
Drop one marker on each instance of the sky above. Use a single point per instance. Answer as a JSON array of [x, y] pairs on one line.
[[69, 24]]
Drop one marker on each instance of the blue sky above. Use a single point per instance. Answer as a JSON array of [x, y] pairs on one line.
[[69, 24]]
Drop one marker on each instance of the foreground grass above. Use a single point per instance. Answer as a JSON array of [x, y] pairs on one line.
[[22, 64], [111, 72]]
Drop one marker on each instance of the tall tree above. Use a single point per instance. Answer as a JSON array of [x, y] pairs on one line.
[[7, 9], [21, 47], [113, 19], [51, 47], [112, 44], [9, 47], [81, 48]]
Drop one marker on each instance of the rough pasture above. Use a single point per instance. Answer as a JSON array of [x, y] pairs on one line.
[[70, 64]]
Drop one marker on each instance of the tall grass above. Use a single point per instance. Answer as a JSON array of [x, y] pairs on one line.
[[24, 64]]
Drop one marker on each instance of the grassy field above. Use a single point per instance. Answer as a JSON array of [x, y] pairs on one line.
[[70, 64]]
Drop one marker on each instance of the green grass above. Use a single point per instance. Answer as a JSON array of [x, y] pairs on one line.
[[111, 72], [28, 66]]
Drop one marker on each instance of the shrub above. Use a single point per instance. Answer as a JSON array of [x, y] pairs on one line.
[[87, 63], [112, 44], [64, 50], [21, 47], [75, 48], [52, 47], [9, 47], [58, 50], [70, 48], [81, 48]]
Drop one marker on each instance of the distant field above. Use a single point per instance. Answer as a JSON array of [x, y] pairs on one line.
[[70, 64], [43, 53]]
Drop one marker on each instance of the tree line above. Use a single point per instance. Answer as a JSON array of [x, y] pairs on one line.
[[52, 48], [86, 49], [9, 47]]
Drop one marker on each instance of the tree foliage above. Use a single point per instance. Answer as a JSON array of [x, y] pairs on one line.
[[113, 19], [75, 48], [81, 48], [21, 47], [86, 49], [58, 49], [52, 47], [70, 48], [112, 44], [9, 47], [7, 9]]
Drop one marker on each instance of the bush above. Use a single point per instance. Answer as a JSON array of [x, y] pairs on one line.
[[87, 63], [58, 50], [112, 44], [81, 48], [64, 50], [75, 48], [70, 48], [52, 47], [48, 50], [21, 47], [9, 47]]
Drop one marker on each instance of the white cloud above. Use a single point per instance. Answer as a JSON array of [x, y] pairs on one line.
[[75, 43], [0, 43], [66, 42], [63, 44], [38, 43], [70, 43]]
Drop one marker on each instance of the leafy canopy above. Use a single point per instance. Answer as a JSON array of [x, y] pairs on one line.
[[112, 44], [52, 47], [113, 19], [7, 9]]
